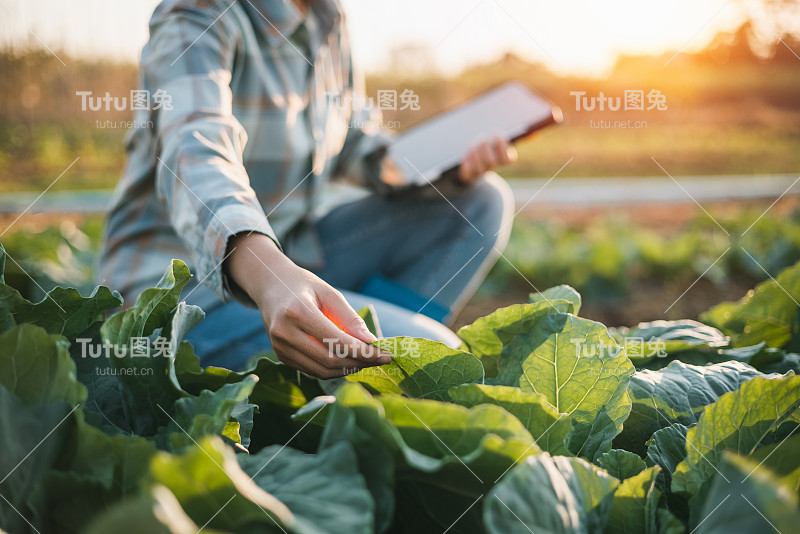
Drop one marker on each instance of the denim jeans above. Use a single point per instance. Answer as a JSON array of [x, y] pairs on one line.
[[433, 247]]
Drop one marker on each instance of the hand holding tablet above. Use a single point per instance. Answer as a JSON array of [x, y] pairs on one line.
[[512, 111]]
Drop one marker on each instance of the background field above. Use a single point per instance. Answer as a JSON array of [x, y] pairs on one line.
[[730, 112]]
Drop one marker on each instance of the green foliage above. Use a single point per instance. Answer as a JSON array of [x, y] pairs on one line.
[[636, 507], [549, 428], [760, 502], [665, 339], [420, 368], [563, 292], [551, 494], [676, 394], [611, 257], [621, 464], [513, 432], [486, 337], [770, 313], [580, 370], [740, 421]]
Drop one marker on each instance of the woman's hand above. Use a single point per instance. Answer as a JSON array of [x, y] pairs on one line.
[[484, 157], [311, 326]]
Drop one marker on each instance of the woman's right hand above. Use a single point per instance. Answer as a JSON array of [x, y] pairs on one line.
[[311, 326]]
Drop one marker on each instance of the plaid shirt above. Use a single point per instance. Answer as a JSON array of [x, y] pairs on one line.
[[249, 137]]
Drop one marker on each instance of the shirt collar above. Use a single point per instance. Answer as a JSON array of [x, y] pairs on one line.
[[281, 18]]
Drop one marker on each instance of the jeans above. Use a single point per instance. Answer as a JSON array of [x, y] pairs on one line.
[[432, 251]]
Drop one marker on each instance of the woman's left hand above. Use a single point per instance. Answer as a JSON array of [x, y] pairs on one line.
[[484, 157]]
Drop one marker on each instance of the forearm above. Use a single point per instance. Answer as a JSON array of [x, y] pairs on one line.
[[254, 262]]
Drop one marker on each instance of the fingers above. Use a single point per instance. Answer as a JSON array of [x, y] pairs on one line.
[[338, 343], [293, 344], [331, 322], [338, 310], [484, 157], [466, 170], [505, 151], [487, 156], [299, 360]]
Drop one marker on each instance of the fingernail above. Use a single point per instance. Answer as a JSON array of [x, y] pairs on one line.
[[369, 337], [383, 360]]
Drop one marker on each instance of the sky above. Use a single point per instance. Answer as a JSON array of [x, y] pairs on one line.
[[580, 37]]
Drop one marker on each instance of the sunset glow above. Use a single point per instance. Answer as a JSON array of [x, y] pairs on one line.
[[571, 37]]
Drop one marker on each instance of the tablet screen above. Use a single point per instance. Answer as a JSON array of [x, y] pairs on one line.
[[511, 110]]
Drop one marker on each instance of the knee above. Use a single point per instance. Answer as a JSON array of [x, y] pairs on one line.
[[491, 207]]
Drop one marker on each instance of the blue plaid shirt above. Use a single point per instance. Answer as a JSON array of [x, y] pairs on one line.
[[262, 100]]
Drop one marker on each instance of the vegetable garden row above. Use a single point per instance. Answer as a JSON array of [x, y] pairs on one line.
[[542, 422]]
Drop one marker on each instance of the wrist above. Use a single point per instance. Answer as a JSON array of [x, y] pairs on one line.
[[251, 257]]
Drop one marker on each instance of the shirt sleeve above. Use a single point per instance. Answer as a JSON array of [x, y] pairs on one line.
[[200, 176], [364, 147]]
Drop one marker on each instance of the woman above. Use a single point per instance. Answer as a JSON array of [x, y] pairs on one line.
[[235, 171]]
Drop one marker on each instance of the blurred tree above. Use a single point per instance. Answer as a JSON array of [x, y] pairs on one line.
[[772, 22]]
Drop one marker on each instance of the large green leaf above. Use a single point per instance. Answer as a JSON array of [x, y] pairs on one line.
[[580, 370], [95, 471], [36, 366], [155, 512], [279, 393], [667, 447], [562, 292], [621, 464], [548, 427], [458, 451], [184, 318], [486, 337], [768, 313], [325, 491], [740, 421], [153, 309], [472, 445], [32, 438], [550, 495], [746, 497], [420, 368], [635, 508], [776, 361], [208, 414], [62, 311], [660, 339], [356, 418], [277, 383], [785, 465], [213, 490], [147, 386], [451, 455], [761, 357], [677, 393]]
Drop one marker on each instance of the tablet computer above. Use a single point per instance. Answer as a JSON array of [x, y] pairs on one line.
[[512, 110]]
